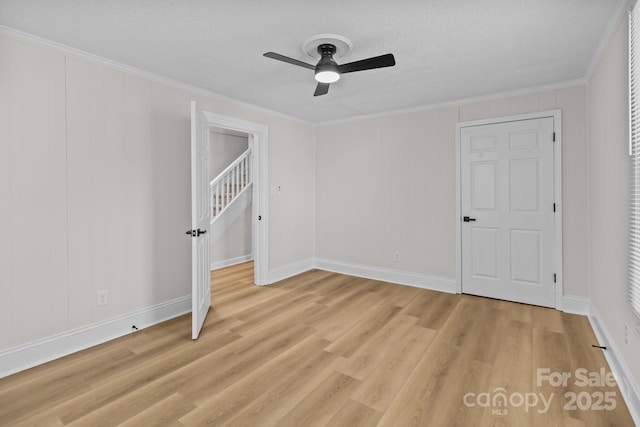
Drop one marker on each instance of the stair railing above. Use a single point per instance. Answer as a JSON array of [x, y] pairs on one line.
[[229, 183]]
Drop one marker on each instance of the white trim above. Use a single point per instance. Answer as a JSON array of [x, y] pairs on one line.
[[118, 66], [576, 305], [290, 270], [464, 101], [624, 376], [229, 262], [610, 31], [99, 60], [558, 244], [557, 155], [259, 141], [44, 350], [417, 280]]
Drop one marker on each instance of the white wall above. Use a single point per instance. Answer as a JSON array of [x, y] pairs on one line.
[[402, 167], [95, 190], [609, 188]]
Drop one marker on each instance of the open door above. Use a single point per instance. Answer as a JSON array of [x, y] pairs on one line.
[[200, 220]]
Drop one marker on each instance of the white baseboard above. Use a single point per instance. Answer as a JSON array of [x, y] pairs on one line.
[[619, 367], [229, 262], [290, 270], [417, 280], [576, 305], [26, 356]]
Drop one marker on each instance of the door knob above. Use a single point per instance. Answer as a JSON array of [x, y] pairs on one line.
[[467, 219], [195, 233]]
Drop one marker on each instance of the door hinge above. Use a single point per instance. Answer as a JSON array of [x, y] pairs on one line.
[[554, 207], [554, 277], [554, 137]]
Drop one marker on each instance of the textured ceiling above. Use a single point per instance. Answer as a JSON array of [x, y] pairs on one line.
[[445, 50]]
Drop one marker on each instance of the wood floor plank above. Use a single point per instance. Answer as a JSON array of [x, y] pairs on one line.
[[317, 408], [355, 414], [222, 407], [133, 379], [423, 400], [42, 419], [165, 412], [511, 373], [396, 294], [437, 312], [392, 371], [320, 349], [362, 331], [255, 318], [432, 308], [267, 409], [551, 355], [343, 315], [365, 360]]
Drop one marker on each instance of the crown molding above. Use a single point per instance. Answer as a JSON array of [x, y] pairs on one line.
[[619, 13], [464, 101], [118, 66]]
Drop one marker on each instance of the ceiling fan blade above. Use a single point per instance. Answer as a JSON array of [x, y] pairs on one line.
[[288, 60], [321, 89], [368, 64]]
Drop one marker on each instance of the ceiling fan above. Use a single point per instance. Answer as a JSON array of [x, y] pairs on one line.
[[327, 71]]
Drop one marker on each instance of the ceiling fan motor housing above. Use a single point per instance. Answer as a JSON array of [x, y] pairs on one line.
[[327, 70]]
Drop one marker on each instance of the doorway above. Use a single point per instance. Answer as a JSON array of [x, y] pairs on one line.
[[257, 139], [509, 208], [233, 244]]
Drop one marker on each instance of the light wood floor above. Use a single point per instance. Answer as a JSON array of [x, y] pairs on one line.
[[323, 349]]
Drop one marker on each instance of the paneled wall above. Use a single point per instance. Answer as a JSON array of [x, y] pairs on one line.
[[33, 194], [608, 102], [95, 190], [387, 184]]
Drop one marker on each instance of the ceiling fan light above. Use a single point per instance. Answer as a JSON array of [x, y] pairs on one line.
[[327, 76]]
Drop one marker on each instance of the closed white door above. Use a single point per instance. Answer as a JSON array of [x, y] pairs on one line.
[[508, 211], [200, 220]]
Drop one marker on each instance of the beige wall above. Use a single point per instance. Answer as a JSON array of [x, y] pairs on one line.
[[235, 242], [225, 149], [33, 196], [402, 167], [385, 185], [608, 183], [95, 190]]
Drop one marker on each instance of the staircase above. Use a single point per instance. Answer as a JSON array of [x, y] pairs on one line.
[[230, 194]]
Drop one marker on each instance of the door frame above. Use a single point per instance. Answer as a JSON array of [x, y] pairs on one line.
[[557, 178], [259, 139]]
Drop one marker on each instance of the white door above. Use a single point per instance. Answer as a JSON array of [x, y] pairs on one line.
[[200, 220], [507, 205]]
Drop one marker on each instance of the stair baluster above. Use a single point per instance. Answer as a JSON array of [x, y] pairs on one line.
[[226, 187]]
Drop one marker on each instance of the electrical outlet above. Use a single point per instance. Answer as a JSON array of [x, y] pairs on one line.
[[103, 297], [397, 257], [626, 334]]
